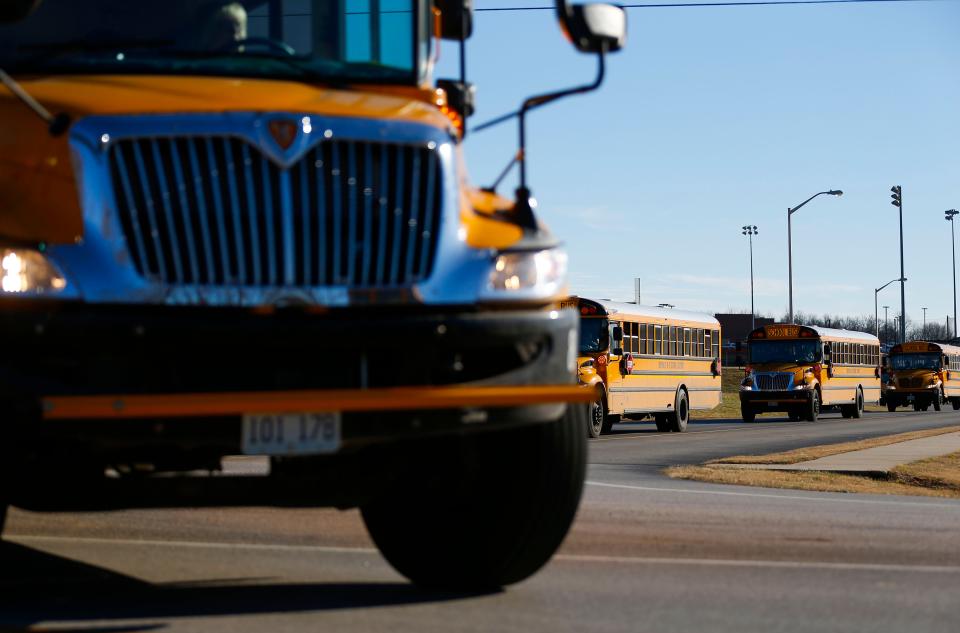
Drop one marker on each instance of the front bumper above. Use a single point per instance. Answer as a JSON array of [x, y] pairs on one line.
[[90, 364], [775, 400]]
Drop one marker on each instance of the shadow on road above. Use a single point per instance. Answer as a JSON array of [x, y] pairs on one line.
[[39, 587]]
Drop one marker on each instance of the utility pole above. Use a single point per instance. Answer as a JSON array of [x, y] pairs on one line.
[[897, 201], [924, 335]]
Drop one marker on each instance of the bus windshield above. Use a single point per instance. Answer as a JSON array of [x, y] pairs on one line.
[[785, 351], [594, 336], [915, 361], [343, 40]]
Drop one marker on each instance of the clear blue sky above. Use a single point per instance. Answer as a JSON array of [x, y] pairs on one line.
[[715, 117]]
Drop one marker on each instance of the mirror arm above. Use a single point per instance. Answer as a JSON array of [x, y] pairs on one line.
[[56, 124], [540, 100]]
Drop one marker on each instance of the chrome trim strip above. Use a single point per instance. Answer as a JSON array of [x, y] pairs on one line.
[[367, 213], [218, 207], [286, 223], [268, 220], [151, 215], [202, 205], [141, 252], [397, 219], [412, 221], [184, 211], [230, 168], [337, 211], [252, 211]]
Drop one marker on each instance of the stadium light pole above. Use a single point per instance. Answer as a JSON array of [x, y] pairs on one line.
[[953, 243], [751, 230], [876, 311], [790, 212], [896, 193]]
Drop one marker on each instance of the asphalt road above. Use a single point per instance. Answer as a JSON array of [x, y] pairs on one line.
[[646, 554]]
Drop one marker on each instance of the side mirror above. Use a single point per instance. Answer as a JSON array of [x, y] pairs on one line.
[[16, 10], [827, 351], [595, 27], [456, 18], [617, 333], [461, 97]]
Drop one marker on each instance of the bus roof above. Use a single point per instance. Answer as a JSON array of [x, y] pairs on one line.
[[650, 314], [925, 346], [822, 332]]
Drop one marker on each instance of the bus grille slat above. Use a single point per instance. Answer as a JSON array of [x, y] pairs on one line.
[[774, 382], [214, 210]]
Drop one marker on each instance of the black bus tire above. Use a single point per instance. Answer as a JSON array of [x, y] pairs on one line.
[[813, 406], [891, 405], [857, 411], [681, 412], [747, 413], [486, 510], [956, 403], [937, 402], [598, 416]]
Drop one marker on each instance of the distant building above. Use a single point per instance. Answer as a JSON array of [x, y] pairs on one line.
[[736, 329]]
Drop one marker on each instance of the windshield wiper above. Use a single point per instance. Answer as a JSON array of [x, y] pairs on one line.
[[57, 124]]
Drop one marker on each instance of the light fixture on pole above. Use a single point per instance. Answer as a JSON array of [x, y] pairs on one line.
[[790, 212], [896, 193], [751, 230], [949, 216], [666, 305], [876, 312]]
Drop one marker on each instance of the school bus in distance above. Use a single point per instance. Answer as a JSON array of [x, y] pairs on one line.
[[923, 374], [644, 361], [802, 369], [245, 228]]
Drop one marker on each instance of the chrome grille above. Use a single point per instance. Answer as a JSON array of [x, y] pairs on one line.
[[216, 211], [774, 382]]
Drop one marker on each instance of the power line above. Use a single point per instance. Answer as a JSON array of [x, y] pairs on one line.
[[744, 3]]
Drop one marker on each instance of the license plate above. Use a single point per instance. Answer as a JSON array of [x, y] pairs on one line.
[[772, 404], [291, 433]]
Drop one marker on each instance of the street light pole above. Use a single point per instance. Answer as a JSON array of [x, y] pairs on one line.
[[751, 230], [953, 244], [876, 315], [790, 212], [897, 201], [924, 330]]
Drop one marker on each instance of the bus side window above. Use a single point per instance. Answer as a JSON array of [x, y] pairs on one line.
[[657, 330], [715, 343]]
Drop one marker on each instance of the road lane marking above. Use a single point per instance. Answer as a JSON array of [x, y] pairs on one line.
[[575, 558], [770, 564], [327, 549], [782, 497]]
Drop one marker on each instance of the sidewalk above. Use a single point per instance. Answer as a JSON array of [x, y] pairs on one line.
[[873, 460]]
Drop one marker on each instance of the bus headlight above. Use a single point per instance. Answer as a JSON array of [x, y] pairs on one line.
[[27, 271], [537, 272]]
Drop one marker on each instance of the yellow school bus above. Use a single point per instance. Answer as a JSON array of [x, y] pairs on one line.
[[923, 374], [245, 228], [803, 369], [642, 361]]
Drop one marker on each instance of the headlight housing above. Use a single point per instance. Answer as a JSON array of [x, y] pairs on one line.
[[528, 273], [28, 271]]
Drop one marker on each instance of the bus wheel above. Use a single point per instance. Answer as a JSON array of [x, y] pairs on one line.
[[956, 403], [681, 412], [857, 411], [937, 401], [598, 416], [794, 416], [891, 406], [485, 510], [813, 406], [747, 413]]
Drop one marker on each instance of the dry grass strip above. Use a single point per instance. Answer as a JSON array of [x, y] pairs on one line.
[[935, 477], [815, 452]]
